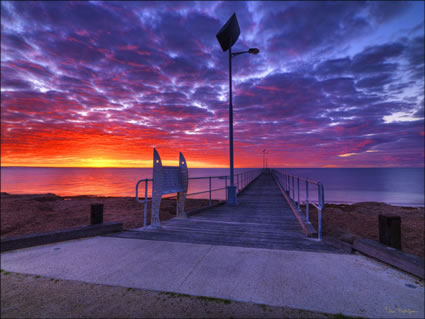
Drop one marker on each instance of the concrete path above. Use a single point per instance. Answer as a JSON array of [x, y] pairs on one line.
[[324, 282], [262, 219]]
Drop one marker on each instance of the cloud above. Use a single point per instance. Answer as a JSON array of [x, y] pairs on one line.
[[118, 78]]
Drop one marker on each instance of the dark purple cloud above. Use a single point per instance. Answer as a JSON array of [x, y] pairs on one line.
[[153, 72]]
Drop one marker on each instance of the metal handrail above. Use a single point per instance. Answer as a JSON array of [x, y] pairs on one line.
[[243, 179], [287, 181], [146, 180]]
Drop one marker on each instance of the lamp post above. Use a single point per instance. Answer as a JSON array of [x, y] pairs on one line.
[[227, 37]]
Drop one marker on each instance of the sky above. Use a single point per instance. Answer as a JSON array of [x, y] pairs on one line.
[[100, 84]]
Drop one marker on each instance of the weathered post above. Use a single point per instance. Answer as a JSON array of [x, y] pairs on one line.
[[209, 183], [298, 193], [288, 186], [293, 188], [390, 231], [225, 187], [96, 214], [146, 203], [321, 204], [307, 208]]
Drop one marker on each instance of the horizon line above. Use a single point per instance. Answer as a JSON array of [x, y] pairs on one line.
[[11, 166]]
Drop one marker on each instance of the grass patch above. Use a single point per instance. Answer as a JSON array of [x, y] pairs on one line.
[[177, 295], [217, 300], [174, 295], [341, 316]]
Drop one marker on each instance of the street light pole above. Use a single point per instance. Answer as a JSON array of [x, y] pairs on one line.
[[227, 36], [232, 177]]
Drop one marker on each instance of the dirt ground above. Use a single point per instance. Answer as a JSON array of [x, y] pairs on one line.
[[361, 219], [30, 214], [29, 296]]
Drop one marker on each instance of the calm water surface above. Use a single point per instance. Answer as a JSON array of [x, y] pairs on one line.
[[398, 186]]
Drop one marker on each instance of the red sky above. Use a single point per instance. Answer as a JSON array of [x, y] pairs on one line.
[[101, 84]]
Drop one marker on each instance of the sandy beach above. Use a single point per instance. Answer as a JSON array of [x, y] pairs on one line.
[[361, 219], [29, 214]]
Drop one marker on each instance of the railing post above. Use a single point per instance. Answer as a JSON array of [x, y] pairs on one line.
[[209, 178], [319, 209], [281, 179], [293, 188], [286, 182], [320, 223], [298, 192], [288, 186], [225, 186], [307, 216], [146, 203]]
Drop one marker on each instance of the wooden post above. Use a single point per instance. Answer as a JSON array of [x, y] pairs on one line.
[[96, 214], [390, 231]]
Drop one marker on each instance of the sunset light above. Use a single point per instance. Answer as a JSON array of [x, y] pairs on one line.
[[261, 159], [100, 84]]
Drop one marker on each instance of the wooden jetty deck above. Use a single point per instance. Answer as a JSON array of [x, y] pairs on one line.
[[262, 219]]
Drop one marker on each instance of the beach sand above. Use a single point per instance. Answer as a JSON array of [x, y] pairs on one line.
[[29, 214], [361, 219]]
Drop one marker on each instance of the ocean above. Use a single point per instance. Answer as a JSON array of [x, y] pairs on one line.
[[396, 186]]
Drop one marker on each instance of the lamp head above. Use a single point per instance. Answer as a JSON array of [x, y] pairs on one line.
[[253, 51]]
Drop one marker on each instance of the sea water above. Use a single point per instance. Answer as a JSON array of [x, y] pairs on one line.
[[397, 186]]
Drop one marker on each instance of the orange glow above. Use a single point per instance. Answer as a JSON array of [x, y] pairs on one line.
[[126, 145], [347, 154]]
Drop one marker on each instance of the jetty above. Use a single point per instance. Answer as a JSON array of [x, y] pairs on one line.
[[263, 218]]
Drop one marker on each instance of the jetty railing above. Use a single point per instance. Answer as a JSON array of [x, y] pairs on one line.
[[242, 180], [291, 185]]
